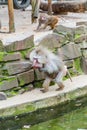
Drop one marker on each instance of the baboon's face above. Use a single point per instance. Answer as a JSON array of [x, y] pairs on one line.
[[39, 59], [42, 19]]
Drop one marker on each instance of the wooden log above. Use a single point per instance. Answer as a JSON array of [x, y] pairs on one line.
[[49, 7], [65, 6], [11, 16]]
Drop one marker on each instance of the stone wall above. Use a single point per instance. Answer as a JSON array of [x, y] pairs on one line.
[[16, 70], [71, 44]]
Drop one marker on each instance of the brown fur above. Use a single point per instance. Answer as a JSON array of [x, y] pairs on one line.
[[47, 20]]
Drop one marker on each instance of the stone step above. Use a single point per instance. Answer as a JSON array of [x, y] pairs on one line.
[[35, 99]]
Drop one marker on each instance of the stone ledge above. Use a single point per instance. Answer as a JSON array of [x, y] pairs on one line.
[[34, 100]]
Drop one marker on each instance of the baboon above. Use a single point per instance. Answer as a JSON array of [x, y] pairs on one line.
[[51, 64], [47, 20]]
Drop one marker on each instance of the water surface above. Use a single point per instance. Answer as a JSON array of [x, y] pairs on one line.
[[75, 120]]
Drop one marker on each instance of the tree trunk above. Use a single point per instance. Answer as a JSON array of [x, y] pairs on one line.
[[65, 6], [11, 16], [49, 7]]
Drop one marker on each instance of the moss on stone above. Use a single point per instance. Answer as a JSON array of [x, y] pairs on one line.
[[25, 52], [38, 84], [77, 36], [1, 46], [2, 54], [22, 82], [77, 64], [17, 110]]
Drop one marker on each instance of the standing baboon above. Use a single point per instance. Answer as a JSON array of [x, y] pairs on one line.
[[51, 64]]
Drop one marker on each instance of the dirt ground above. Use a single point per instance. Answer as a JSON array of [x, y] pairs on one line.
[[23, 24], [22, 21]]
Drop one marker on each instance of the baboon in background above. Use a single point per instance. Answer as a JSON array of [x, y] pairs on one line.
[[47, 20], [51, 64]]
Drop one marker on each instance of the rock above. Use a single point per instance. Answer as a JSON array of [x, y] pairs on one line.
[[69, 63], [52, 41], [80, 38], [20, 45], [26, 77], [29, 87], [84, 64], [27, 55], [67, 32], [26, 89], [9, 56], [81, 23], [79, 30], [84, 53], [3, 96], [17, 67], [70, 51], [1, 46], [11, 82], [83, 45], [70, 32], [21, 91], [39, 75]]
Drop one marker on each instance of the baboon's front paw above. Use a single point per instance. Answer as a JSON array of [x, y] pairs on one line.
[[43, 90]]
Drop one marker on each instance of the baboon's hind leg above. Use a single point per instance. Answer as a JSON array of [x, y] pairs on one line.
[[46, 85], [61, 86], [59, 80]]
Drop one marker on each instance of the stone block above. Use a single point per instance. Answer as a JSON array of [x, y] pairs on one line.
[[52, 41], [12, 56], [26, 53], [39, 75], [9, 56], [70, 51], [9, 83], [69, 63], [82, 45], [20, 45], [1, 46], [61, 29], [81, 23], [84, 53], [70, 32], [26, 77], [80, 38], [17, 67], [3, 96], [84, 64], [80, 30]]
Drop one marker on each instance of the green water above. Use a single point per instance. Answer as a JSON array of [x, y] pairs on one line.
[[76, 120]]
